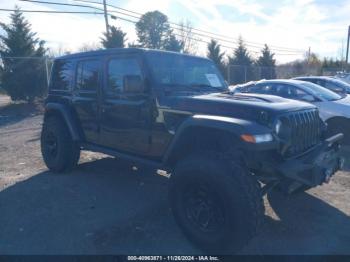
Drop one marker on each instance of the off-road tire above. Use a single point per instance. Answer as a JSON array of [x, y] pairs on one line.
[[67, 152], [236, 191], [336, 127]]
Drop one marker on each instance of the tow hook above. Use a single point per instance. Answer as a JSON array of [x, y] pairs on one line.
[[341, 162], [328, 174]]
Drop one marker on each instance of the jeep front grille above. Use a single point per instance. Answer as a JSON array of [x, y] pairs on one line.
[[304, 131]]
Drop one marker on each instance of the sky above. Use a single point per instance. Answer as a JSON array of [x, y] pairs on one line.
[[289, 27]]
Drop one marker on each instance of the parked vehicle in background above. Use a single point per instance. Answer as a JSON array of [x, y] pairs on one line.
[[342, 76], [334, 108], [174, 112], [331, 83]]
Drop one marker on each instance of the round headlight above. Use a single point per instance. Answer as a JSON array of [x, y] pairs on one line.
[[278, 126]]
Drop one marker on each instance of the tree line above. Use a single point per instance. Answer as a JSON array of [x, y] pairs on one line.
[[25, 79]]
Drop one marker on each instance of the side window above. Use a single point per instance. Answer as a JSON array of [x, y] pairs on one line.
[[286, 91], [117, 69], [292, 92], [87, 75], [333, 87], [262, 89], [319, 82], [62, 75]]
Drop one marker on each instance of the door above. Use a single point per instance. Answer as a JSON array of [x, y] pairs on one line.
[[126, 116], [85, 97]]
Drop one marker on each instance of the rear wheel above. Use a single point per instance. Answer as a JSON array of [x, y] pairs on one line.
[[216, 202], [59, 151]]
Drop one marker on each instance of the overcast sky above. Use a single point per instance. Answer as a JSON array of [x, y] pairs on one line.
[[295, 24]]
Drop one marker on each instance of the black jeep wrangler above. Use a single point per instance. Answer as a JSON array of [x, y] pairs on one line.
[[174, 112]]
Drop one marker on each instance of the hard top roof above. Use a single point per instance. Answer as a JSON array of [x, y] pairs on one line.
[[314, 77], [114, 51], [282, 81]]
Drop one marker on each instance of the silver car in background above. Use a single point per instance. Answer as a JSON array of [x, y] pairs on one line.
[[330, 83], [334, 108]]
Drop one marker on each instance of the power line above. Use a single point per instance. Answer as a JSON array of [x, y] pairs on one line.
[[138, 17], [124, 19], [49, 11], [249, 43], [78, 5], [55, 3]]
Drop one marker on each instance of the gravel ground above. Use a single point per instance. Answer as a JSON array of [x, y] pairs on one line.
[[107, 207]]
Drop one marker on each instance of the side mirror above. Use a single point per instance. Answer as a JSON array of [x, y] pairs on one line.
[[133, 84]]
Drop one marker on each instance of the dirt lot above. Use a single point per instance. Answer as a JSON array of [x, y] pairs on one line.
[[106, 207]]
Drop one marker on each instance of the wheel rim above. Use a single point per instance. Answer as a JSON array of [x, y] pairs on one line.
[[50, 144], [204, 209]]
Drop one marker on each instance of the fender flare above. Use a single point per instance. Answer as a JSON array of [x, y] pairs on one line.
[[67, 117], [235, 126]]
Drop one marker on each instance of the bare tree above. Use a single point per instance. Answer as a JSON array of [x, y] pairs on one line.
[[59, 51], [187, 38], [89, 47]]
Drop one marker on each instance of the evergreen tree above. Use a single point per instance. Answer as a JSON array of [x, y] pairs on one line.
[[153, 30], [240, 64], [23, 78], [214, 53], [241, 55], [115, 39], [172, 44], [267, 63]]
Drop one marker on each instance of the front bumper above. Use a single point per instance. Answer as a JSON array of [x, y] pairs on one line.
[[316, 166]]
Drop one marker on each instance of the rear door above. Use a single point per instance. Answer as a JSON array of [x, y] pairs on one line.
[[85, 96], [125, 117]]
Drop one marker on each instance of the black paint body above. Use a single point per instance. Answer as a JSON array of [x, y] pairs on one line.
[[148, 126]]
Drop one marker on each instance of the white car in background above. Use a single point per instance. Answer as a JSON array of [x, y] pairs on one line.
[[331, 83], [334, 108], [345, 77]]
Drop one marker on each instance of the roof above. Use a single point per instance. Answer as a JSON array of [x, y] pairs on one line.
[[283, 81], [314, 77], [111, 51]]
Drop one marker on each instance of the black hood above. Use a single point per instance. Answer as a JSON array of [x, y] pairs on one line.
[[243, 106]]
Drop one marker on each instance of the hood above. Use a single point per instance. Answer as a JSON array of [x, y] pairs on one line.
[[329, 109], [243, 106], [344, 101]]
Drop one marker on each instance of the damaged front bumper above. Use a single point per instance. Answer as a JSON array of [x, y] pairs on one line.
[[315, 167]]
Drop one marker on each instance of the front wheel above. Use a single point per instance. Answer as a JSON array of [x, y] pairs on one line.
[[59, 151], [339, 126], [217, 204]]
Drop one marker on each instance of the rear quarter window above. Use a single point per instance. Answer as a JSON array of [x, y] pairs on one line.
[[62, 75], [87, 77]]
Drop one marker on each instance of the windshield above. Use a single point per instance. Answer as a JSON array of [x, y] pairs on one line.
[[185, 72], [320, 91], [341, 84]]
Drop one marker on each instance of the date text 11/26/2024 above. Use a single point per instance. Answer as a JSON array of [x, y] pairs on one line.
[[173, 258]]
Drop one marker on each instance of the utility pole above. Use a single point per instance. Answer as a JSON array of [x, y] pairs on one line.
[[347, 47], [106, 17], [342, 55], [308, 61]]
